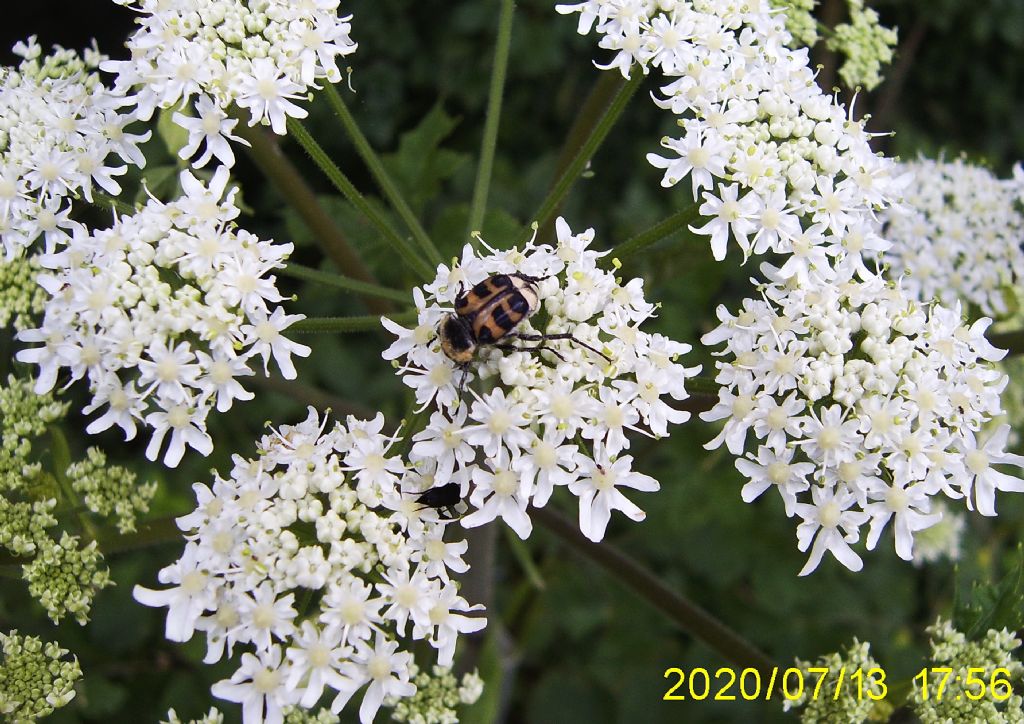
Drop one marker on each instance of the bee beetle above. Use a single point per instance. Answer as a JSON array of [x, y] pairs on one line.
[[487, 315]]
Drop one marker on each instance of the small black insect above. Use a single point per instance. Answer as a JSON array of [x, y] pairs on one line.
[[487, 315], [442, 498]]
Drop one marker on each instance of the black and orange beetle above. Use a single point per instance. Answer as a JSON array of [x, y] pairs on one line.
[[487, 315]]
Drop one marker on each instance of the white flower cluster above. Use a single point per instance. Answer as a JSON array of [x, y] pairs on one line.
[[317, 560], [780, 165], [864, 405], [259, 55], [863, 402], [958, 235], [556, 416], [162, 312], [61, 135]]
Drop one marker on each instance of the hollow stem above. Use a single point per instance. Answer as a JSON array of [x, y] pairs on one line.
[[105, 201], [281, 172], [677, 221], [61, 461], [380, 174], [599, 97]]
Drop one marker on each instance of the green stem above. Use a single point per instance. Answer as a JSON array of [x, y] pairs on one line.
[[586, 151], [384, 180], [298, 271], [104, 201], [703, 385], [600, 95], [679, 220], [61, 462], [331, 325], [158, 531], [309, 395], [494, 99], [689, 616], [281, 172], [297, 131]]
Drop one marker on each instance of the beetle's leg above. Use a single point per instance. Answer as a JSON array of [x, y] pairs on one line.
[[563, 335], [540, 347]]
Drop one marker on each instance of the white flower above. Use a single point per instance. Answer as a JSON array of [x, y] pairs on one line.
[[222, 53], [889, 397], [957, 235], [599, 496], [759, 138], [544, 405], [388, 673], [192, 595], [980, 474], [317, 517], [259, 686], [61, 133], [154, 351], [831, 526]]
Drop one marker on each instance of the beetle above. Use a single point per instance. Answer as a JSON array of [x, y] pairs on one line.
[[442, 498], [488, 313]]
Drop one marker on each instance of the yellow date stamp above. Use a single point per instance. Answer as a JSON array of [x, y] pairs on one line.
[[793, 684], [818, 682]]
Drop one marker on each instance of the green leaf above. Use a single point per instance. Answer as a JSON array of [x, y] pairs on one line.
[[174, 136], [420, 165], [992, 605]]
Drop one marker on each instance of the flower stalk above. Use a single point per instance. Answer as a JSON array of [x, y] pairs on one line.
[[690, 617], [331, 325], [267, 155], [494, 99], [587, 149], [348, 284], [340, 181], [679, 220], [380, 174]]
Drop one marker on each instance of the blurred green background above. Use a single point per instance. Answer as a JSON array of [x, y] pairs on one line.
[[579, 647]]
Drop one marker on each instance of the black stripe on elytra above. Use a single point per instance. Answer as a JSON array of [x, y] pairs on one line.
[[518, 304], [505, 318]]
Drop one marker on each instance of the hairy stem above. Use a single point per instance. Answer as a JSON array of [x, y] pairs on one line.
[[599, 98], [380, 174], [267, 155], [308, 395], [586, 151], [298, 271], [105, 201], [677, 221], [340, 181], [689, 616], [490, 138], [330, 325]]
